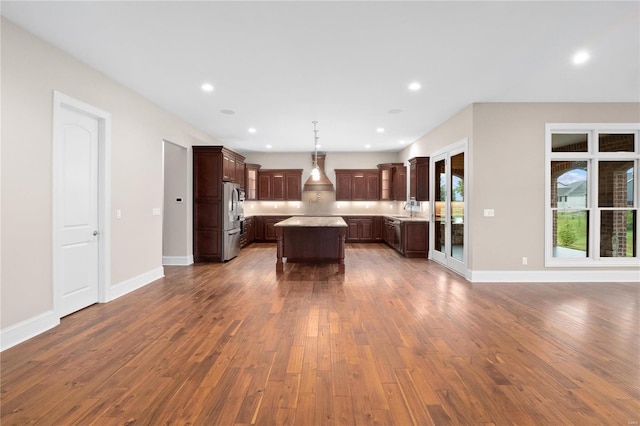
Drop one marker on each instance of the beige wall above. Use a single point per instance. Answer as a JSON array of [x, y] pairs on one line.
[[31, 71], [508, 176], [506, 155], [459, 126]]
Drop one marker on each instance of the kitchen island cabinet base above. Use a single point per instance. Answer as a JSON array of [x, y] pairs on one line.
[[311, 244]]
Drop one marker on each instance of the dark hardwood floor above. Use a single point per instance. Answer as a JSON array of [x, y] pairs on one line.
[[393, 341]]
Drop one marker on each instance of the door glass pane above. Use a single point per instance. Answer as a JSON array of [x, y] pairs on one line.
[[457, 206], [440, 213], [611, 142], [570, 233], [569, 142], [618, 233], [569, 184], [615, 183]]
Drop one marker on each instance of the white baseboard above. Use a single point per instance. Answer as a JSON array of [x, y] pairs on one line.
[[177, 260], [553, 276], [38, 324], [135, 283], [27, 329]]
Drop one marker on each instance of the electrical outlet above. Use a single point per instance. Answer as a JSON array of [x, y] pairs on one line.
[[489, 213], [524, 260], [118, 214]]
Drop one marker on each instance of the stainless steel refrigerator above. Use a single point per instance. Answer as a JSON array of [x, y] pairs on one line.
[[233, 215]]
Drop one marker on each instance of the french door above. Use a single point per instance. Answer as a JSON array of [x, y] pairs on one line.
[[449, 209]]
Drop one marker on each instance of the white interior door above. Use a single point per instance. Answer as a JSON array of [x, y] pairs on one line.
[[77, 204], [449, 209]]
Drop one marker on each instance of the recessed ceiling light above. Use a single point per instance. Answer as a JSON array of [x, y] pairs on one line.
[[380, 130], [252, 130], [207, 87], [227, 111], [367, 146], [581, 57], [401, 142], [395, 111], [268, 146], [415, 86]]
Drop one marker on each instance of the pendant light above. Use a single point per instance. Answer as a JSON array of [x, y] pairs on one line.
[[318, 181], [315, 171]]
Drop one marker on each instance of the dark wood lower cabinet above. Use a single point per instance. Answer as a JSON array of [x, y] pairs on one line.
[[248, 233], [415, 239], [392, 232], [264, 229], [363, 229], [409, 238]]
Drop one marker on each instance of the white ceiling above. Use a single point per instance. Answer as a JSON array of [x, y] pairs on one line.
[[281, 65]]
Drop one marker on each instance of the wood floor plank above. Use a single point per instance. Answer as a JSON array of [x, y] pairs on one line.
[[306, 411], [391, 341], [398, 409], [253, 397]]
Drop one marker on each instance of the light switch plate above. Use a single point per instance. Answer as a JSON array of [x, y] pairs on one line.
[[489, 213], [156, 212]]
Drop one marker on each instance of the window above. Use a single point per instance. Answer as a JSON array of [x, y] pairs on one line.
[[592, 194]]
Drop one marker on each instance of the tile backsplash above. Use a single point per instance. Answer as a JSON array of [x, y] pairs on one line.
[[324, 203]]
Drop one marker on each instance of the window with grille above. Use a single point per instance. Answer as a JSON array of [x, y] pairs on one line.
[[591, 194]]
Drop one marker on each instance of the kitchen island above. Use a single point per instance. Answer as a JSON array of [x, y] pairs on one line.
[[311, 239]]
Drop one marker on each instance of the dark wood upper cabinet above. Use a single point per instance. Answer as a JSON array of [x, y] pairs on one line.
[[277, 186], [386, 182], [357, 185], [393, 182], [400, 183], [264, 186], [293, 186], [240, 175], [232, 167], [419, 178], [280, 185], [343, 186], [228, 166], [251, 181], [372, 189]]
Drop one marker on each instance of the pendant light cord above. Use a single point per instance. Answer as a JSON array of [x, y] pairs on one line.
[[315, 172]]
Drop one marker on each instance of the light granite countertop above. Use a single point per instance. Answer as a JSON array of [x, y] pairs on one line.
[[314, 221], [402, 218]]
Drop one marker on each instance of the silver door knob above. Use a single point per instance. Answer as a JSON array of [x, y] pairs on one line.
[[95, 233]]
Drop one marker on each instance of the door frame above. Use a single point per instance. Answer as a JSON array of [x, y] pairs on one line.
[[436, 254], [462, 268], [60, 101]]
